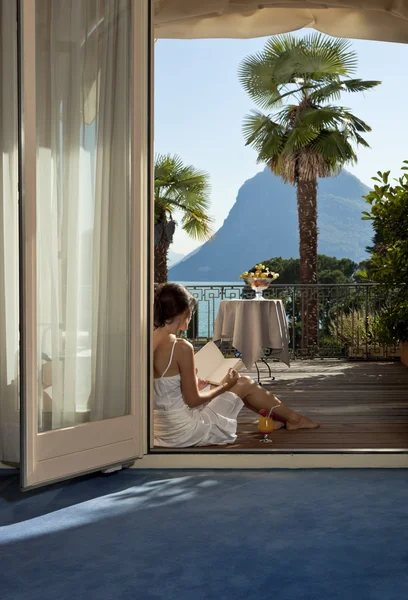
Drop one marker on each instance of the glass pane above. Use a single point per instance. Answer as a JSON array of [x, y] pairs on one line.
[[9, 320], [83, 83]]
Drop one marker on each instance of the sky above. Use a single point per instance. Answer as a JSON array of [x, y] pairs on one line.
[[200, 106]]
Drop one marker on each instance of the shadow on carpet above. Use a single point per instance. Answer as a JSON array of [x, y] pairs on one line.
[[153, 535]]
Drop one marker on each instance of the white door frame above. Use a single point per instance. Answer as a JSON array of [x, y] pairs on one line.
[[213, 459]]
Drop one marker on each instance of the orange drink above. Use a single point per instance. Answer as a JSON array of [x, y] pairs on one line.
[[265, 426]]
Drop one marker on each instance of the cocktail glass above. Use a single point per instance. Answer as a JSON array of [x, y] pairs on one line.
[[265, 426]]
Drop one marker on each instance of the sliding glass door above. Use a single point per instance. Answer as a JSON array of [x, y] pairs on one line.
[[84, 215]]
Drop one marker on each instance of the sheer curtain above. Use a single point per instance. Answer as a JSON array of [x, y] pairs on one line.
[[83, 214], [9, 320], [111, 243]]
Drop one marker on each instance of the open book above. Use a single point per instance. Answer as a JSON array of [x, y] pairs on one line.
[[212, 366]]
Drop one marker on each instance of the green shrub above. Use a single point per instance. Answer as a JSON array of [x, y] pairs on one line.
[[389, 256]]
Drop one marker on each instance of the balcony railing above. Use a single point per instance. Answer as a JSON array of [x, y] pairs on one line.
[[346, 317]]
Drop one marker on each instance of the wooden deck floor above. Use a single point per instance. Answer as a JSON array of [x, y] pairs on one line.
[[359, 406]]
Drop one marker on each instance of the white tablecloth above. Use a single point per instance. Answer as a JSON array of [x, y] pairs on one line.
[[253, 325]]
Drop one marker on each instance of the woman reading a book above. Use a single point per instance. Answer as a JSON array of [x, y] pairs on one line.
[[187, 411]]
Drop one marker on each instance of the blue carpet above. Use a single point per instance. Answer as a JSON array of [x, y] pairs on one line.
[[219, 535]]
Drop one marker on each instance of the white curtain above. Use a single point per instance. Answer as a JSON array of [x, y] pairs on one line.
[[111, 243], [83, 151], [9, 319]]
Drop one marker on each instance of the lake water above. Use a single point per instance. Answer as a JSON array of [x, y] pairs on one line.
[[209, 295]]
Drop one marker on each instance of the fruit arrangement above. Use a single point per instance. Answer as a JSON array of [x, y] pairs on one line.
[[258, 274]]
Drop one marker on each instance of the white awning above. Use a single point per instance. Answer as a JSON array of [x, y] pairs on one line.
[[385, 20]]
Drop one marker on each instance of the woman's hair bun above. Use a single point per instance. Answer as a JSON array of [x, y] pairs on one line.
[[170, 301]]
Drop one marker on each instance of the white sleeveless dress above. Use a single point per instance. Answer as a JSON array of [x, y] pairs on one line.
[[178, 426]]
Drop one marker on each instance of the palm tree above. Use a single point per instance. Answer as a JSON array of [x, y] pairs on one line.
[[178, 188], [306, 136]]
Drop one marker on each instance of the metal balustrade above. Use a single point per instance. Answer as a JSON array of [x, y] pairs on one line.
[[345, 326]]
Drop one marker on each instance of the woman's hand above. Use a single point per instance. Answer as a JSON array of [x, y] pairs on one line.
[[201, 384], [230, 379]]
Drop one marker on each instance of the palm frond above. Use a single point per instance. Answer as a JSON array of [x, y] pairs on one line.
[[282, 53], [361, 141], [320, 117], [177, 184], [334, 89], [324, 57], [198, 226], [180, 187], [331, 117], [257, 124], [264, 135], [358, 85], [327, 92], [256, 77], [356, 123], [298, 138], [280, 45], [334, 147]]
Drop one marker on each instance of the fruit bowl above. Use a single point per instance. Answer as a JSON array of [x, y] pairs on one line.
[[259, 285]]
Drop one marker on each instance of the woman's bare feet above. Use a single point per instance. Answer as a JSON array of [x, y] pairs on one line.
[[278, 425], [301, 423]]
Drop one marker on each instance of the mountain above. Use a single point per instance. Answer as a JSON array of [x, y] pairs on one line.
[[173, 258], [263, 223]]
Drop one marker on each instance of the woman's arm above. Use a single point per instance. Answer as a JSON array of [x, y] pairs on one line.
[[192, 396]]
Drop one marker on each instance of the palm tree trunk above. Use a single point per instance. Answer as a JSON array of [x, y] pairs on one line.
[[160, 261], [307, 214]]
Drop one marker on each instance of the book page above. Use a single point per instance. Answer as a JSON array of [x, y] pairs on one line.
[[211, 364], [218, 374], [207, 360]]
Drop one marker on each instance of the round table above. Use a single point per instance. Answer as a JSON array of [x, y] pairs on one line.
[[253, 326]]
